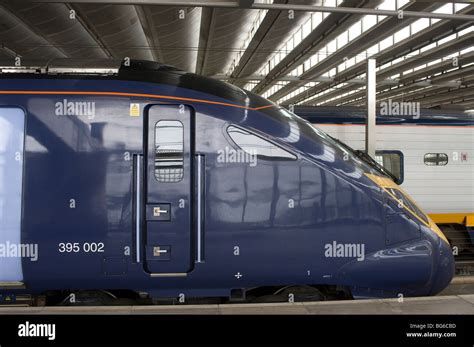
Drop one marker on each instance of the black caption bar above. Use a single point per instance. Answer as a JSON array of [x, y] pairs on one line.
[[220, 329]]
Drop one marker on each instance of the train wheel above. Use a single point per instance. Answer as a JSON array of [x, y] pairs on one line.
[[94, 298], [290, 294]]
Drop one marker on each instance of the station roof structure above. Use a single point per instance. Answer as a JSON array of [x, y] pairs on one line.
[[301, 52]]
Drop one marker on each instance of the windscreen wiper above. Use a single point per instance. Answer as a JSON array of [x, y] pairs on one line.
[[367, 159]]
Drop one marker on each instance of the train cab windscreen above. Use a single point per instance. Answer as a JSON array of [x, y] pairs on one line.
[[310, 130]]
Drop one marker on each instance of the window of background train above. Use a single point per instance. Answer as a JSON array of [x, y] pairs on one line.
[[434, 159], [392, 161], [255, 145], [169, 147]]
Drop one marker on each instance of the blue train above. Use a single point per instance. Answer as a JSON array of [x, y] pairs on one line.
[[429, 152], [145, 179]]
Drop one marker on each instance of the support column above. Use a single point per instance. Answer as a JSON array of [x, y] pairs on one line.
[[370, 135]]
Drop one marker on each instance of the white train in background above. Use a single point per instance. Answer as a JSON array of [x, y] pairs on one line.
[[432, 154]]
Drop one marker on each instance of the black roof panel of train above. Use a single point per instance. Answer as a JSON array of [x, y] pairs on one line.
[[139, 71]]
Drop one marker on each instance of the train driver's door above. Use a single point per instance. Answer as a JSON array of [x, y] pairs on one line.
[[168, 210]]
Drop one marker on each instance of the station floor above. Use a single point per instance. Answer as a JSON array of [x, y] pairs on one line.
[[447, 304]]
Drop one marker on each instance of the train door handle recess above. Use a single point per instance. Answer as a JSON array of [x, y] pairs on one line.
[[138, 206], [199, 207]]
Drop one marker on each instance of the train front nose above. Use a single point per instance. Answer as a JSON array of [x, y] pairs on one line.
[[444, 271]]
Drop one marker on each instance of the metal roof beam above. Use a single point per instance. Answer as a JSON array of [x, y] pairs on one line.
[[468, 104], [262, 32], [14, 14], [438, 52], [444, 81], [447, 80], [429, 35], [383, 95], [89, 29], [295, 79], [8, 51], [149, 33], [409, 79], [207, 16], [395, 96], [329, 28], [416, 41], [436, 96], [278, 7], [383, 29], [436, 68]]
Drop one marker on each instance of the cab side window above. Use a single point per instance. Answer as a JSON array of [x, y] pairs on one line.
[[392, 161], [256, 145]]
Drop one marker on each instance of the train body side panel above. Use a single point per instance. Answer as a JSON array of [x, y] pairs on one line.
[[79, 200], [78, 190]]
